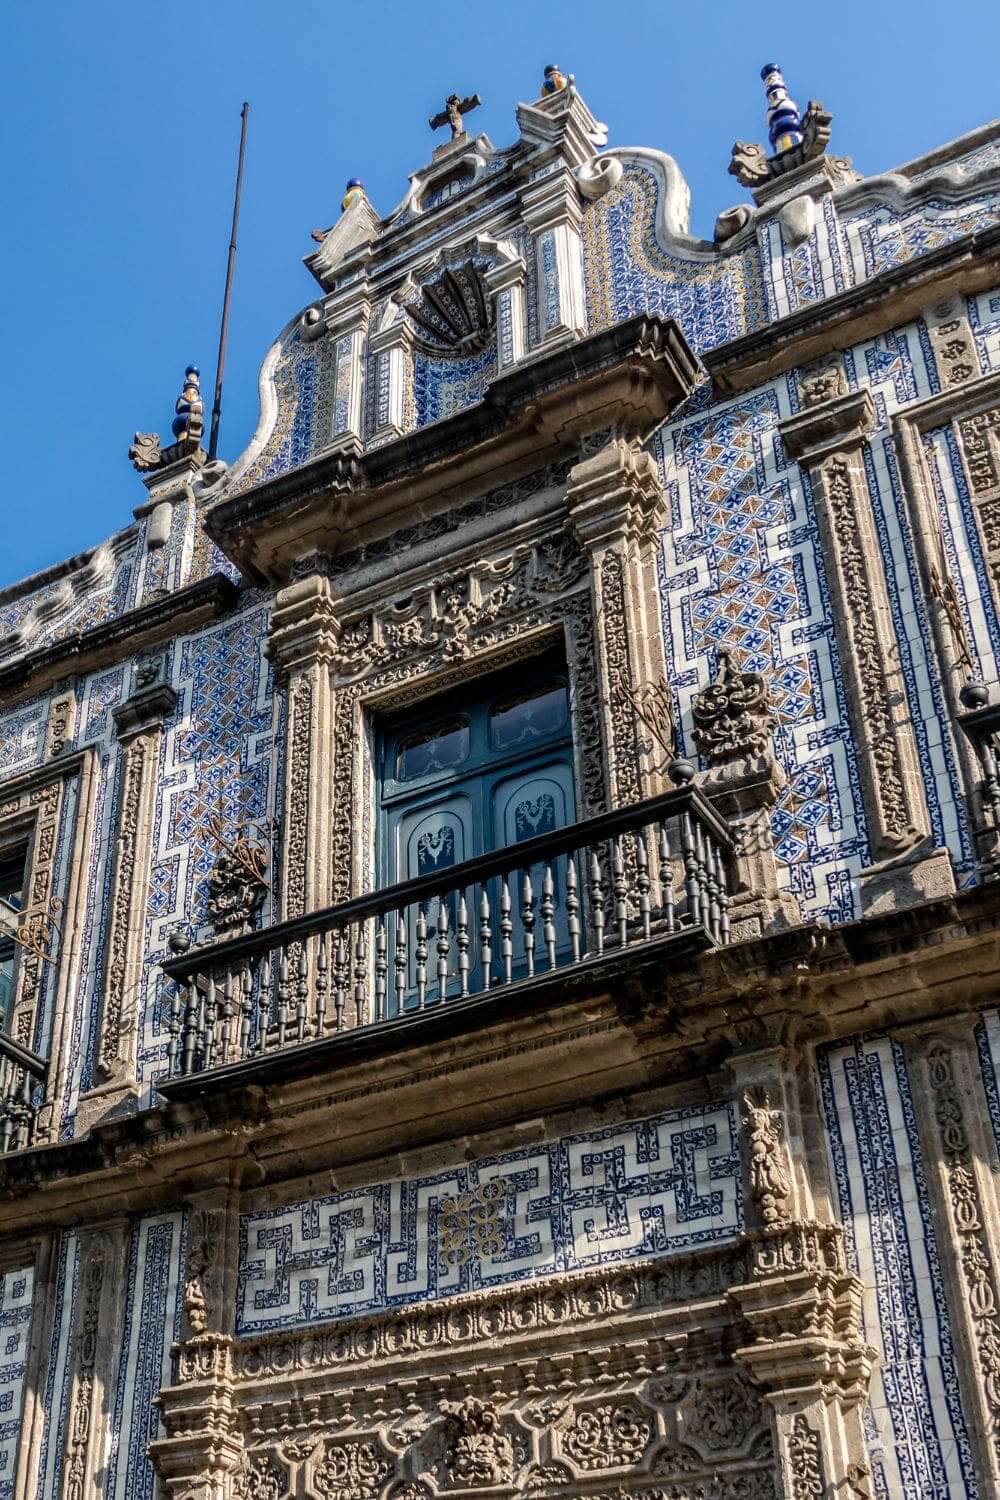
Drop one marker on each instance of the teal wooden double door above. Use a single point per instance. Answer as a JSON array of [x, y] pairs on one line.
[[468, 774]]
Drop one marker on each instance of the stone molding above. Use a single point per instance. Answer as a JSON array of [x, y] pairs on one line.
[[826, 437]]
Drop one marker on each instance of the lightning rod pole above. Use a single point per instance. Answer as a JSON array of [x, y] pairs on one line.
[[220, 364]]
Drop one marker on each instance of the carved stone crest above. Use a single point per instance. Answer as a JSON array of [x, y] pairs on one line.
[[480, 1452], [769, 1180], [732, 717]]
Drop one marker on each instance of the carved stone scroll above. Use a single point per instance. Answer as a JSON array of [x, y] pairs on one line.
[[827, 438]]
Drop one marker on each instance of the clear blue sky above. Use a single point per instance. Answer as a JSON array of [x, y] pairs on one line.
[[120, 128]]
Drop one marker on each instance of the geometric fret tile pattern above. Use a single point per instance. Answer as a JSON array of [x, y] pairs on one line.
[[216, 758], [153, 1310], [618, 1193], [15, 1330], [881, 238], [917, 1439]]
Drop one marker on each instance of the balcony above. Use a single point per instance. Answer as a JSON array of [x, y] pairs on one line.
[[22, 1088], [550, 914]]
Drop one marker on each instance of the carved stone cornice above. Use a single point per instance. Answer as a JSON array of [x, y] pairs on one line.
[[629, 377], [826, 427], [145, 710]]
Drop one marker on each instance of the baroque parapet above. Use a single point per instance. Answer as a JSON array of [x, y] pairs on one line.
[[827, 437]]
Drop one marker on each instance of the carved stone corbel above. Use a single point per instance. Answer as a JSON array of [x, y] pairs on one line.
[[615, 501], [827, 438], [962, 1168], [139, 722], [303, 647]]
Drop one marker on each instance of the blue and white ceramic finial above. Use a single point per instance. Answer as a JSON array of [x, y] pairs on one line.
[[190, 409], [784, 124], [554, 79], [355, 189]]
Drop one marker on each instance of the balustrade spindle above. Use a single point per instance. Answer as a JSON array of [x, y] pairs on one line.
[[710, 896], [420, 954], [264, 1003], [400, 959], [361, 975], [226, 1027], [691, 882], [302, 990], [666, 879], [642, 884], [207, 1010], [547, 910], [191, 1025], [341, 974], [177, 992], [246, 1009], [722, 885], [284, 996], [443, 948], [572, 908], [485, 939], [597, 902], [506, 930], [528, 921], [462, 942], [322, 970], [381, 966], [620, 890]]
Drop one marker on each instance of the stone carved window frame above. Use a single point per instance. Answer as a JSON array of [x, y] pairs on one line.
[[950, 408], [33, 808], [566, 619]]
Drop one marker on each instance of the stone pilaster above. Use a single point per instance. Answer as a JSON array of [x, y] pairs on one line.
[[553, 213], [827, 438], [347, 327], [302, 645], [95, 1340], [615, 501], [961, 1165], [168, 516], [391, 349], [139, 722], [507, 282], [201, 1448]]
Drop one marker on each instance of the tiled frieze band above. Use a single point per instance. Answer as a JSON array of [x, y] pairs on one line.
[[643, 1188]]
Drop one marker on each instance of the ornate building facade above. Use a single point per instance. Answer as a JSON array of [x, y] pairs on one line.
[[499, 900]]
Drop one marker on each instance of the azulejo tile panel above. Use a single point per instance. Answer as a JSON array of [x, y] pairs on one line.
[[444, 386], [917, 1438], [638, 1189], [627, 270], [988, 1040], [153, 1308], [55, 1387], [15, 1331], [882, 237]]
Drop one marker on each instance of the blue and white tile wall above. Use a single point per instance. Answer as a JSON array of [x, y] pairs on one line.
[[917, 1438], [618, 1193], [15, 1332], [153, 1318]]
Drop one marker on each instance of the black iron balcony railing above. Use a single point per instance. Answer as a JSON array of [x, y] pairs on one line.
[[480, 930], [22, 1087]]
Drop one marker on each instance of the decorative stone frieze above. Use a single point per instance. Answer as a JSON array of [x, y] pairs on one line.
[[62, 721], [827, 438], [952, 341]]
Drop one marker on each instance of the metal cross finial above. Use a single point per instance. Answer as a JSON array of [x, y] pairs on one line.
[[454, 109]]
